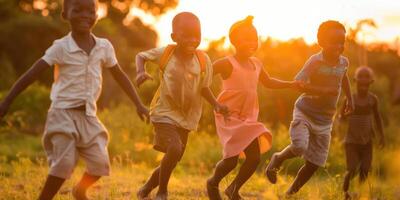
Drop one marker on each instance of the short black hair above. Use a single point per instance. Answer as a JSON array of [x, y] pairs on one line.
[[326, 26], [67, 4], [181, 16]]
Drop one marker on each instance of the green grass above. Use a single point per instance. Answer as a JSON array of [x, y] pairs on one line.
[[22, 179], [23, 166]]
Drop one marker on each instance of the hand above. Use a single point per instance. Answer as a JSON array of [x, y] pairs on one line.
[[298, 85], [382, 143], [141, 77], [222, 109], [349, 108], [143, 113], [3, 109]]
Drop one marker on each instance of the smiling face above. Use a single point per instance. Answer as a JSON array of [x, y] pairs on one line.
[[245, 41], [333, 46], [81, 14], [187, 34], [363, 78]]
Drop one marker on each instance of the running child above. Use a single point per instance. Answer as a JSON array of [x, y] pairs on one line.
[[242, 134], [358, 140], [72, 127], [324, 75], [185, 77]]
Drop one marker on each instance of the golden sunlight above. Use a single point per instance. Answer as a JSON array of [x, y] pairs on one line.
[[281, 20]]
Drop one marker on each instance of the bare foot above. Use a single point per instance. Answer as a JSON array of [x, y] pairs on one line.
[[232, 194], [79, 194], [272, 169], [212, 190], [143, 193], [161, 196]]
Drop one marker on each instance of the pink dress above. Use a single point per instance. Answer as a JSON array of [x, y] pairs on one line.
[[239, 93]]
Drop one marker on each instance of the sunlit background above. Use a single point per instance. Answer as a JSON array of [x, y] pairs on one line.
[[284, 19]]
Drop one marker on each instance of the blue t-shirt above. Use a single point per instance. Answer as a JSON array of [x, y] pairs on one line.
[[321, 108]]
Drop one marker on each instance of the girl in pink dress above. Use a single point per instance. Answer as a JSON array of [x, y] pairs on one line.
[[241, 134]]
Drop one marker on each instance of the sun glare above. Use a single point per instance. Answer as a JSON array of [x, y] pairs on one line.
[[281, 20]]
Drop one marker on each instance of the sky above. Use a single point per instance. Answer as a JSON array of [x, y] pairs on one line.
[[282, 19]]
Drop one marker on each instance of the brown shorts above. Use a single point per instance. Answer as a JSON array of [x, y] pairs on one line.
[[168, 134]]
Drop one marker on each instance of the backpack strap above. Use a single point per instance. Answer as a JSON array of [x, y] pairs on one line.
[[169, 50], [201, 56]]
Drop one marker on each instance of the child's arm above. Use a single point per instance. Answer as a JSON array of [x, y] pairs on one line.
[[223, 67], [141, 74], [22, 83], [124, 82], [304, 75], [347, 90], [274, 83], [219, 108], [378, 120]]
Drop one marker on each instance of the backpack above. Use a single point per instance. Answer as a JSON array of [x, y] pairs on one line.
[[169, 50]]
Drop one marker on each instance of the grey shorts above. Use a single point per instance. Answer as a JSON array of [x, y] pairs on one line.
[[309, 139], [70, 134]]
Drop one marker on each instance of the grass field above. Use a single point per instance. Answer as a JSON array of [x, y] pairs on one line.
[[22, 175]]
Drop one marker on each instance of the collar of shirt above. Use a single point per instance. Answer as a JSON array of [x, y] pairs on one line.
[[72, 47], [320, 57]]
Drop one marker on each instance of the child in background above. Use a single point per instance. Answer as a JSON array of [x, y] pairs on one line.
[[242, 133], [72, 127], [358, 140], [185, 77], [324, 75]]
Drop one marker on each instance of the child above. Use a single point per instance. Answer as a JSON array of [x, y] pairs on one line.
[[242, 134], [358, 141], [185, 76], [72, 127], [324, 74]]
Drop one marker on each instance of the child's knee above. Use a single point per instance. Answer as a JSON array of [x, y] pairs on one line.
[[176, 150], [62, 168], [98, 167], [230, 163], [298, 148]]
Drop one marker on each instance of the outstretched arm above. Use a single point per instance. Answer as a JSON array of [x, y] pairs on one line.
[[274, 83], [379, 124], [22, 83], [124, 82]]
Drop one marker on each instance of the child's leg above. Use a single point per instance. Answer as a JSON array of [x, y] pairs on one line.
[[248, 168], [97, 164], [175, 148], [87, 180], [352, 161], [61, 154], [150, 184], [172, 156], [299, 135], [51, 187], [222, 168], [366, 160], [302, 177]]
